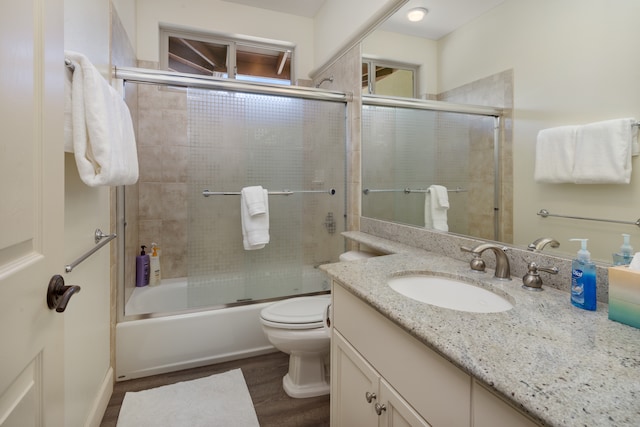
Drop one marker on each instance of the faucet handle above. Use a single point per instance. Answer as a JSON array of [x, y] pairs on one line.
[[532, 280], [477, 263]]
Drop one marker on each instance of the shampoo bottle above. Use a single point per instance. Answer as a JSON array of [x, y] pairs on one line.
[[583, 279], [155, 265], [142, 268], [625, 255]]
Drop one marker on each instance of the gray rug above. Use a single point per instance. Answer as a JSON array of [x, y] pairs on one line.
[[217, 401]]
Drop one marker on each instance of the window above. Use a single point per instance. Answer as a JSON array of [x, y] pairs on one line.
[[217, 55], [388, 78]]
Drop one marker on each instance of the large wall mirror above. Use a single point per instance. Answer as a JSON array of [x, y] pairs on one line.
[[547, 63]]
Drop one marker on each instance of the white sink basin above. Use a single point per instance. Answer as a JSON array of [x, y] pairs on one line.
[[449, 293]]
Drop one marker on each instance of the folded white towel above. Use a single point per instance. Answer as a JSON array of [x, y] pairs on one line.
[[255, 199], [103, 137], [555, 153], [255, 229], [436, 203], [603, 152], [68, 117]]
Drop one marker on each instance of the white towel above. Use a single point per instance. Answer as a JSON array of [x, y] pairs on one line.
[[103, 137], [436, 203], [603, 152], [255, 229], [555, 153], [255, 199]]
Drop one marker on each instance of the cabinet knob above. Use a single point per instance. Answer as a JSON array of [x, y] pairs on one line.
[[380, 408], [370, 396]]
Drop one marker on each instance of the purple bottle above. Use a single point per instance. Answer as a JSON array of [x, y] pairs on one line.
[[142, 268]]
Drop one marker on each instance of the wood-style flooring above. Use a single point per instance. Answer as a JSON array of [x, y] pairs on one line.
[[263, 375]]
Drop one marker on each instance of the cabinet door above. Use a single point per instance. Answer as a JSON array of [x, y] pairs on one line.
[[397, 412], [351, 379], [490, 410]]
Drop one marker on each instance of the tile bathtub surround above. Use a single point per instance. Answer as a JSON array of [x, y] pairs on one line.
[[561, 365]]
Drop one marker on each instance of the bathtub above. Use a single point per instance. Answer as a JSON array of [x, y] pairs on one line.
[[156, 345]]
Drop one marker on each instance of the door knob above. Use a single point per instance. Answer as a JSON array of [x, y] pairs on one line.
[[58, 295]]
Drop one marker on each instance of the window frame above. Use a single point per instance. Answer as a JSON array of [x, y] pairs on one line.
[[232, 41], [373, 62]]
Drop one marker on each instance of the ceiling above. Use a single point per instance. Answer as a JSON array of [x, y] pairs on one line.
[[444, 15]]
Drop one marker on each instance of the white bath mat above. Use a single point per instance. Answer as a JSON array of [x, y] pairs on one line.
[[219, 400]]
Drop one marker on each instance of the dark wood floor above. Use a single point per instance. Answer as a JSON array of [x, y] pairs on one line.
[[263, 375]]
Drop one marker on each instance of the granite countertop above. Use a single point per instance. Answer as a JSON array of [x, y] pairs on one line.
[[562, 365]]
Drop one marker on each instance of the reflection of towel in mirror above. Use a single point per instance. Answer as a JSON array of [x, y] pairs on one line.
[[555, 153], [255, 228], [436, 203], [603, 152]]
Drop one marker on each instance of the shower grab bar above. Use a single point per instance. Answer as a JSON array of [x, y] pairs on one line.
[[409, 190], [545, 213], [98, 236], [207, 193]]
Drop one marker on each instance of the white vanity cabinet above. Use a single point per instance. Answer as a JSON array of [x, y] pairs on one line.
[[418, 387], [361, 397]]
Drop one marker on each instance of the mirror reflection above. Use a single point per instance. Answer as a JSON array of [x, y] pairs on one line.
[[547, 63]]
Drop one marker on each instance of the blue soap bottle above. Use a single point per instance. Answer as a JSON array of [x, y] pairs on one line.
[[583, 279], [142, 268]]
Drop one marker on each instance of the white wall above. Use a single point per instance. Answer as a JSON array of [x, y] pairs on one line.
[[574, 62], [88, 378], [407, 49], [339, 23], [126, 10], [230, 18]]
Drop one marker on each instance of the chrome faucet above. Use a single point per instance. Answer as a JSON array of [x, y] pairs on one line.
[[539, 244], [503, 271]]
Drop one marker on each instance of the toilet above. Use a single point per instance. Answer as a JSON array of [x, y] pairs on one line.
[[296, 326]]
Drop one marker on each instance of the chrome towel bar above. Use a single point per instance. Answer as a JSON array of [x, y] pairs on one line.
[[409, 190], [545, 213], [207, 193], [99, 235]]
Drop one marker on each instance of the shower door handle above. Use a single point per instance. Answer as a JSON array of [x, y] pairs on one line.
[[58, 295]]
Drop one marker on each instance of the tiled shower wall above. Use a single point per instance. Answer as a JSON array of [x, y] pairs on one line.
[[494, 91], [162, 154], [163, 149]]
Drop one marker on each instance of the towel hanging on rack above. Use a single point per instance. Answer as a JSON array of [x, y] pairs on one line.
[[102, 131], [255, 227]]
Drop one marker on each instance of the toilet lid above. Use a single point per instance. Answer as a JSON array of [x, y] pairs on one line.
[[294, 313]]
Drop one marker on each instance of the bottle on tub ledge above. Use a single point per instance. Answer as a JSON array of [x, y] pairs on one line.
[[583, 279], [142, 268], [154, 264]]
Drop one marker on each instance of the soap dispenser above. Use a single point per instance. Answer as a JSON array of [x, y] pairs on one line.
[[625, 255], [583, 279], [154, 265], [142, 268]]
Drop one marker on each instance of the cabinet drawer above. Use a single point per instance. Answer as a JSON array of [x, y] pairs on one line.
[[438, 390]]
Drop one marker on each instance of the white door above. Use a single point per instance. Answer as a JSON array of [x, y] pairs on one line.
[[31, 211]]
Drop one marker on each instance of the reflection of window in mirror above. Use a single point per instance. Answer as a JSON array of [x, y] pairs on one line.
[[388, 78], [226, 57]]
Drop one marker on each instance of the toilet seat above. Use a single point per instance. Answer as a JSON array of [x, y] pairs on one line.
[[296, 313]]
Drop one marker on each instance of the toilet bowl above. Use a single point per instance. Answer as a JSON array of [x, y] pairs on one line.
[[296, 326], [355, 255]]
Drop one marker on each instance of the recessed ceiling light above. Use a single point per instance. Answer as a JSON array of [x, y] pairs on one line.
[[417, 14]]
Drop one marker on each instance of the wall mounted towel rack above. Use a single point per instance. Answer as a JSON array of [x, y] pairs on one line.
[[207, 193], [69, 64], [545, 213], [98, 236], [409, 190]]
